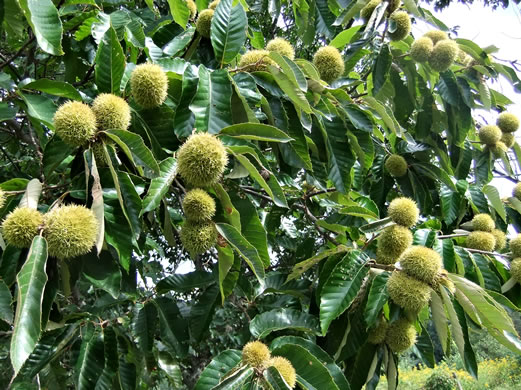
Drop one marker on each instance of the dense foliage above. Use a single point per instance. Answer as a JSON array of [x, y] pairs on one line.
[[332, 190]]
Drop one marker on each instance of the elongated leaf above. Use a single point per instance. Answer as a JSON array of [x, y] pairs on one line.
[[305, 265], [278, 197], [243, 248], [235, 380], [256, 131], [376, 299], [212, 102], [110, 63], [201, 313], [341, 287], [31, 282], [218, 368], [117, 232], [6, 311], [275, 380], [311, 372], [439, 317], [174, 329], [252, 228], [185, 282], [53, 87], [50, 346], [31, 194], [317, 352], [159, 186], [491, 313], [340, 159], [493, 197], [91, 361], [144, 327], [291, 89], [230, 212], [228, 31], [265, 323], [291, 70], [45, 22], [136, 150]]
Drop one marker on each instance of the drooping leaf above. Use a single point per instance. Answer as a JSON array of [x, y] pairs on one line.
[[341, 287], [246, 250], [218, 368], [265, 323], [255, 131], [45, 22], [31, 282]]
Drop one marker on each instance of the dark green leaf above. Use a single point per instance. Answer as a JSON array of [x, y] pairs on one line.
[[31, 282], [110, 63], [217, 369], [341, 287], [228, 32], [265, 323], [53, 87]]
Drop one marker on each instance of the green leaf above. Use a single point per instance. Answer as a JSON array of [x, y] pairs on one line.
[[218, 368], [340, 157], [255, 131], [227, 262], [493, 197], [179, 11], [246, 250], [236, 380], [51, 345], [275, 380], [228, 32], [110, 63], [185, 282], [317, 352], [117, 232], [159, 186], [91, 361], [291, 89], [270, 321], [31, 282], [212, 102], [303, 266], [184, 118], [341, 287], [103, 272], [45, 22], [6, 311], [136, 150], [376, 299], [230, 213], [41, 108], [344, 37], [144, 328], [201, 313], [7, 112], [278, 198], [56, 88], [174, 47], [291, 70], [252, 228], [174, 329], [493, 316], [311, 372], [54, 153]]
